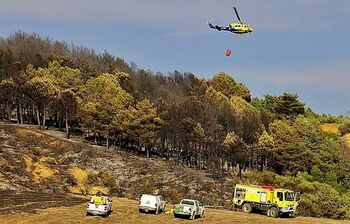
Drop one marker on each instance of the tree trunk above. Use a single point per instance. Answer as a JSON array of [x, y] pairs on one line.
[[200, 157], [44, 117], [8, 111], [32, 112], [67, 126], [38, 116], [21, 113], [163, 148], [67, 130], [167, 150], [17, 112], [240, 167], [60, 121], [95, 139], [262, 161]]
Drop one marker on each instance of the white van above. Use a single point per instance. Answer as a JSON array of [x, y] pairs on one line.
[[154, 203]]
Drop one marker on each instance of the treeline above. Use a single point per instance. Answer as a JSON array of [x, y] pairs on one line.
[[213, 124]]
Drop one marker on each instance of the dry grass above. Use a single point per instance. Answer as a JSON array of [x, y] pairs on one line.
[[46, 141], [38, 170], [82, 186], [125, 211], [346, 139], [330, 128], [346, 143], [80, 179]]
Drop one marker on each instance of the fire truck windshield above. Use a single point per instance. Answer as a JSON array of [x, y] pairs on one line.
[[289, 196]]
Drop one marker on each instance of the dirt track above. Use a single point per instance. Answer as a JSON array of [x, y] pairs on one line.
[[125, 211]]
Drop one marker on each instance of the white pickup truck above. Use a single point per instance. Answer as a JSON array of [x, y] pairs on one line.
[[99, 205], [189, 208]]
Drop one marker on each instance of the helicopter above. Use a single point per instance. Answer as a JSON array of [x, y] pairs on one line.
[[237, 28]]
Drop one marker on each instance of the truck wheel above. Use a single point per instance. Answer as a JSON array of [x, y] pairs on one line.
[[273, 212], [234, 207], [193, 216], [291, 215], [247, 208]]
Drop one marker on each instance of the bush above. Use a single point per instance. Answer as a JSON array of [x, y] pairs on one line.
[[317, 174], [171, 194], [324, 201], [141, 186], [107, 179], [37, 151], [49, 160], [92, 179], [344, 126], [119, 190], [261, 178], [331, 178], [4, 165], [317, 199], [70, 179]]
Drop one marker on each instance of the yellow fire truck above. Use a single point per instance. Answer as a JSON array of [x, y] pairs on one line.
[[274, 202]]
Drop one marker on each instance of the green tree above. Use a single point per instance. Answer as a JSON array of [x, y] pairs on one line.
[[143, 124], [227, 85], [288, 104], [43, 89], [265, 146], [103, 101]]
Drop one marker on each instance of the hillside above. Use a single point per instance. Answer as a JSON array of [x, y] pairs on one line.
[[36, 161], [40, 170], [125, 211]]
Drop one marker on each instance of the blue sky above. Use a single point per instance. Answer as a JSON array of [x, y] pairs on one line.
[[299, 46]]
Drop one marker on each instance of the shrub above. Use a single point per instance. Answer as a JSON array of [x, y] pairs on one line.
[[70, 179], [107, 179], [344, 126], [119, 190], [331, 178], [325, 201], [49, 160], [261, 178], [37, 151], [92, 179], [4, 165], [317, 174], [171, 194]]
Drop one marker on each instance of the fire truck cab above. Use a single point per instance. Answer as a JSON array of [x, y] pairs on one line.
[[275, 202]]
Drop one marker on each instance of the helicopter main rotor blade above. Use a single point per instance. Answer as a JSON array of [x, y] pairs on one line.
[[239, 19]]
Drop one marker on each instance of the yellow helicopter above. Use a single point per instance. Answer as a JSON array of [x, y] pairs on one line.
[[237, 28]]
